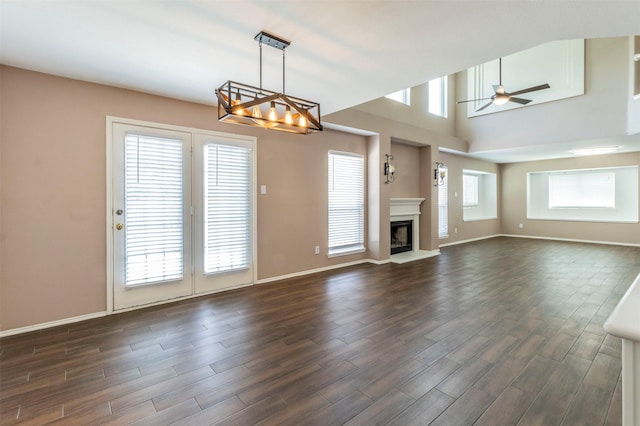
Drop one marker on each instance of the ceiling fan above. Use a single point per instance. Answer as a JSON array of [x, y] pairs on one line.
[[501, 97]]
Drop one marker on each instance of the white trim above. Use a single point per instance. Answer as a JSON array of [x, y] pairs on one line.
[[109, 222], [454, 243], [50, 324], [571, 240], [313, 271]]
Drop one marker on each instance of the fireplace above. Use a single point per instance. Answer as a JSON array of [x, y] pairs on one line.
[[401, 236]]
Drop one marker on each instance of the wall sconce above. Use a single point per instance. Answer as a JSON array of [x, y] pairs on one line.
[[389, 169], [440, 173]]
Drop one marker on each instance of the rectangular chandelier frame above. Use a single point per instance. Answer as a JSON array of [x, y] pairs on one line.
[[240, 103]]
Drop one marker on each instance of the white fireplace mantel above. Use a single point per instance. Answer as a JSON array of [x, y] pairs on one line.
[[405, 206], [409, 209]]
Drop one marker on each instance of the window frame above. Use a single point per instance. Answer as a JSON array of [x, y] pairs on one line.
[[486, 207], [626, 208]]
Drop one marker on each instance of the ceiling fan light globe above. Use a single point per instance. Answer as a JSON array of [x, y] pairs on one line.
[[500, 99]]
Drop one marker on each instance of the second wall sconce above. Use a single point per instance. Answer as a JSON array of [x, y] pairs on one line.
[[440, 173], [389, 169]]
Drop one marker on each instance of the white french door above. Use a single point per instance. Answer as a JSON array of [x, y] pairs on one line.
[[181, 213]]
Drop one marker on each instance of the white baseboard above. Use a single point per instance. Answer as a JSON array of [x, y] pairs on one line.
[[50, 324], [472, 239], [324, 268], [570, 240]]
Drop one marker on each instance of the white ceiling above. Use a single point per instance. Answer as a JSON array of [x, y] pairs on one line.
[[342, 53]]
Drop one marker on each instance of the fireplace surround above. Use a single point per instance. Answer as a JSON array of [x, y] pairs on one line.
[[407, 210]]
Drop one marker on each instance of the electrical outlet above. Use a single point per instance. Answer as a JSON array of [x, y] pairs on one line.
[[521, 226], [455, 230], [263, 189], [317, 249]]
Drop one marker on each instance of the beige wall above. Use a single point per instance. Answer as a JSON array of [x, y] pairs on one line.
[[416, 114], [514, 207], [406, 159], [53, 211]]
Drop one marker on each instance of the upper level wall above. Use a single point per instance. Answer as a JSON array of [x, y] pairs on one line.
[[598, 114], [417, 113]]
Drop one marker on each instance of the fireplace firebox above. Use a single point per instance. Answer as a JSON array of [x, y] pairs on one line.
[[401, 236]]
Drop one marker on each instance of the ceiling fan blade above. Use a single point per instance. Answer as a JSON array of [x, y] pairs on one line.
[[499, 89], [519, 100], [530, 89], [483, 106], [472, 100]]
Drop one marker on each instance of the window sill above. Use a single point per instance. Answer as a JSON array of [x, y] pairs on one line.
[[345, 252], [476, 219]]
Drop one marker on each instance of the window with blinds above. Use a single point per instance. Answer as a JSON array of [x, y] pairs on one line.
[[346, 203], [153, 210], [227, 209], [443, 206], [586, 189]]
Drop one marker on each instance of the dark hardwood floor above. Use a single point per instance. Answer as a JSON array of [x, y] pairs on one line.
[[501, 331]]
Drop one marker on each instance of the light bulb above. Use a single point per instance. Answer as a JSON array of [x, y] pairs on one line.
[[287, 116], [303, 121], [238, 101], [272, 112], [256, 112]]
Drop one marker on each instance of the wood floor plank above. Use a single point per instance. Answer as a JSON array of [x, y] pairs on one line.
[[553, 400], [497, 331], [507, 409], [460, 380], [587, 406], [466, 409], [428, 378], [383, 410]]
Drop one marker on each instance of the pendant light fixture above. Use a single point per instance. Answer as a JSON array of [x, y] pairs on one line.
[[254, 106]]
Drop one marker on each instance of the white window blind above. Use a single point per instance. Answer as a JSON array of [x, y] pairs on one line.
[[582, 190], [227, 208], [470, 190], [346, 203], [153, 209], [443, 206]]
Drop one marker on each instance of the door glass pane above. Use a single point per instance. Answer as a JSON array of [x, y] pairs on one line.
[[227, 208], [153, 210]]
